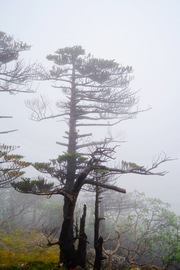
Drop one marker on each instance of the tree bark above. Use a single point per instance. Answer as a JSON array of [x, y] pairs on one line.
[[66, 240], [68, 255], [99, 257], [67, 251], [98, 241], [81, 254]]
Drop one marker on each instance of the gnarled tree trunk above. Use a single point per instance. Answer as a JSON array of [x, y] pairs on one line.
[[68, 254]]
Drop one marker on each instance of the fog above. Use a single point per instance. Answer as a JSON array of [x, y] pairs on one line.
[[142, 34]]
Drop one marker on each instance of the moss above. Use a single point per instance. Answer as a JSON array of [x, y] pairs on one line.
[[20, 247]]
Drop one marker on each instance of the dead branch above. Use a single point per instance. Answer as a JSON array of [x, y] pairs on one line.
[[111, 253], [8, 131], [95, 183]]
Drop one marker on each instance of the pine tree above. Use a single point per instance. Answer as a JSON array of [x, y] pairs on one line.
[[98, 94]]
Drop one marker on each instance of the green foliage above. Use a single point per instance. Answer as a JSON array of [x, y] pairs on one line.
[[32, 186], [43, 167], [170, 238], [99, 82], [172, 256], [57, 168], [149, 230], [98, 70], [11, 165], [65, 56], [9, 49], [70, 155]]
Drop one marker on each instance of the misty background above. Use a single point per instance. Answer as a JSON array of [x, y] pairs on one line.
[[139, 33]]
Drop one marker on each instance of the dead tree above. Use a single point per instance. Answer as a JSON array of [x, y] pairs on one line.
[[81, 252], [98, 239], [109, 253]]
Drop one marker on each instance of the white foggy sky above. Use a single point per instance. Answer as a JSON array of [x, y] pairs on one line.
[[142, 33]]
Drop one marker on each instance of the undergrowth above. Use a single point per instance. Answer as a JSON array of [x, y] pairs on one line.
[[18, 248]]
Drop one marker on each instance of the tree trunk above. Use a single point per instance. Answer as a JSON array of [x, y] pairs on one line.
[[98, 241], [66, 240], [102, 225], [96, 222], [68, 255], [81, 254], [99, 257]]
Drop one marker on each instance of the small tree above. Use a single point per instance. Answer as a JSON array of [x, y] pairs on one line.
[[112, 253]]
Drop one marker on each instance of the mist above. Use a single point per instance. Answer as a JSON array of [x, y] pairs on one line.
[[142, 34]]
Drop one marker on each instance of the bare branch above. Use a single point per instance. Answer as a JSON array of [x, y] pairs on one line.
[[40, 109], [8, 131], [5, 116]]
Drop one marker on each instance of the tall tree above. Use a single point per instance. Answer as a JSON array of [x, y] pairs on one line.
[[98, 94]]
